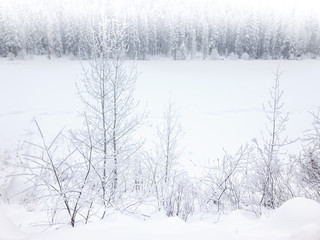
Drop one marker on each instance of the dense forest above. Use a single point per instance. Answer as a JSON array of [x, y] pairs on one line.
[[159, 29]]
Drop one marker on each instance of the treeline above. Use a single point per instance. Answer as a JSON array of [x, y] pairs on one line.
[[157, 29]]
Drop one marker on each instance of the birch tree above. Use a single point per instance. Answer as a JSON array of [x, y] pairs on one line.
[[107, 92]]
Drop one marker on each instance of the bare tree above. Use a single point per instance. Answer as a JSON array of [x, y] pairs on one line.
[[107, 92], [170, 133], [60, 174], [162, 162], [226, 180], [269, 165]]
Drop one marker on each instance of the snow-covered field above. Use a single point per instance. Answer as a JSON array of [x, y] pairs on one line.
[[220, 102], [297, 219]]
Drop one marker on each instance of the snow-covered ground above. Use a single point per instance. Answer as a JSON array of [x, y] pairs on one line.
[[220, 102], [297, 219]]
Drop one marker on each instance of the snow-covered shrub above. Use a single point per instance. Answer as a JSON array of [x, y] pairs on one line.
[[226, 183], [72, 56], [181, 52], [266, 57], [309, 161], [291, 56], [179, 197], [308, 56], [10, 56], [21, 54], [245, 56], [215, 55], [60, 171], [233, 56]]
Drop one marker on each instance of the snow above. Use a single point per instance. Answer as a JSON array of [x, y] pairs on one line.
[[309, 232], [297, 219], [295, 213], [17, 189], [8, 231], [218, 108], [220, 102]]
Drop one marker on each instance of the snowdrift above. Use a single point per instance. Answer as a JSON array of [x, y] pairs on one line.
[[301, 216], [295, 213], [297, 219], [8, 231], [17, 190]]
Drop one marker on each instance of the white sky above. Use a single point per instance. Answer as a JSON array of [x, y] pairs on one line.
[[298, 5], [304, 6]]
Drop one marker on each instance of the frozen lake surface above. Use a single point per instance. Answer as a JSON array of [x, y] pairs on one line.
[[220, 102]]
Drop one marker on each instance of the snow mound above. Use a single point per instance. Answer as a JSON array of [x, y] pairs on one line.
[[18, 189], [307, 232], [238, 216], [8, 231], [295, 213]]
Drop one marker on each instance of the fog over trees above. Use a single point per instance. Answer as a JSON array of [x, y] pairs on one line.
[[208, 30]]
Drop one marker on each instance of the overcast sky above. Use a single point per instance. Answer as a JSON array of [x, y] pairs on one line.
[[305, 6]]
